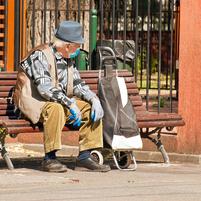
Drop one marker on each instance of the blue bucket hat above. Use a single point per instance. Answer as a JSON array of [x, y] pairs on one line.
[[70, 31]]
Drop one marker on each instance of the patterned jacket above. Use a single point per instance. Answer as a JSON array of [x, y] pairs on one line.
[[36, 67]]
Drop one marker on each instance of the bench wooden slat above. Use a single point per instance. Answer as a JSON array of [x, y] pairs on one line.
[[131, 85], [7, 112], [135, 98], [131, 97], [17, 122], [6, 107], [95, 80], [26, 129], [7, 76], [140, 109], [156, 117], [92, 74], [130, 91], [136, 103], [7, 118], [5, 94], [9, 94], [6, 88], [93, 86], [20, 126], [97, 71], [83, 74], [17, 130], [160, 124], [7, 82], [146, 118], [8, 72]]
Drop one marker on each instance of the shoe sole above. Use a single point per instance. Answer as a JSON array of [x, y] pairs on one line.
[[83, 169], [56, 171]]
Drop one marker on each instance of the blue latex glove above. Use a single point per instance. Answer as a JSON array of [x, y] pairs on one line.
[[75, 117], [96, 110]]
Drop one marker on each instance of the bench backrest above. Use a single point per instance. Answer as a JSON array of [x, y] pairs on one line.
[[8, 81]]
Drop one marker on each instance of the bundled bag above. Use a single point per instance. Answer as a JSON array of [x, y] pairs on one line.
[[120, 129]]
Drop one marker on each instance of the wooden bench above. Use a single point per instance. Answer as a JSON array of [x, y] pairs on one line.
[[148, 123]]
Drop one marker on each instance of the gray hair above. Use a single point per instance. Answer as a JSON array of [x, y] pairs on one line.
[[58, 43]]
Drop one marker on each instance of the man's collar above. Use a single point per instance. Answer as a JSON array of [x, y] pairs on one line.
[[56, 53]]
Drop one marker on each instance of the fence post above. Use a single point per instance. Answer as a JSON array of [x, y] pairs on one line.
[[92, 38]]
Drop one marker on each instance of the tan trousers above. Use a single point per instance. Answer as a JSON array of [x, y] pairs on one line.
[[54, 116]]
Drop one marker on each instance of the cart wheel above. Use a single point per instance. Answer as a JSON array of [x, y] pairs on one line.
[[97, 156], [124, 159]]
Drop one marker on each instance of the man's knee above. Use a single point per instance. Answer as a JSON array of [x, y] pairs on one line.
[[57, 106], [55, 109]]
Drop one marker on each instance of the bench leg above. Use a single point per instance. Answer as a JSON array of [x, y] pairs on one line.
[[158, 143], [163, 151], [3, 151]]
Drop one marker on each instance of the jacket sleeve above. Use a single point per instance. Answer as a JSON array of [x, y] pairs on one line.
[[37, 68], [80, 88]]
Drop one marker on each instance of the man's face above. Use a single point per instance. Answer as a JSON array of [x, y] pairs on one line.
[[68, 49]]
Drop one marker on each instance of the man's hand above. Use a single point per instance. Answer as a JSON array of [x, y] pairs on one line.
[[75, 116], [96, 110]]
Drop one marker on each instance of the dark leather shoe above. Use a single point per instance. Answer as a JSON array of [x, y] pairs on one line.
[[90, 165], [53, 165]]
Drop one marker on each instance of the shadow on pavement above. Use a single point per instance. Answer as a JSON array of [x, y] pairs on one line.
[[35, 162]]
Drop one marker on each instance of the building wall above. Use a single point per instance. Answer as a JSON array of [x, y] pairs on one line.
[[189, 137]]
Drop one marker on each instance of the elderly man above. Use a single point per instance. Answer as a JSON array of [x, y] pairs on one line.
[[49, 90]]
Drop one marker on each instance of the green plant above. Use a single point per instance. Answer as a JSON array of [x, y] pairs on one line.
[[162, 102]]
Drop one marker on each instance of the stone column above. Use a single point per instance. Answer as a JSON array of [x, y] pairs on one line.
[[189, 137]]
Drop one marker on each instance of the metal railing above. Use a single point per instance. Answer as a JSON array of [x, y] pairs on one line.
[[147, 29]]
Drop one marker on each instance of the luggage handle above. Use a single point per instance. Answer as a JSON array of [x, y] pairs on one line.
[[108, 72]]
